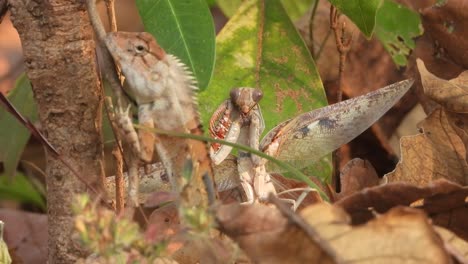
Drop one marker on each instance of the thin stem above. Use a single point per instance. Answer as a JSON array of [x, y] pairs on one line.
[[111, 15], [343, 45], [322, 45], [311, 28], [299, 175], [107, 62]]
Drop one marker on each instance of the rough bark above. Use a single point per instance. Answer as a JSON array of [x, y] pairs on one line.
[[58, 46]]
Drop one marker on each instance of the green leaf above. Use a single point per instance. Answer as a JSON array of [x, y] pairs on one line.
[[20, 189], [297, 8], [185, 29], [229, 7], [361, 12], [294, 8], [211, 2], [396, 27], [13, 135], [260, 47]]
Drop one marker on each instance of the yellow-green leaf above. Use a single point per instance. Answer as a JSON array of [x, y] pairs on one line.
[[260, 47]]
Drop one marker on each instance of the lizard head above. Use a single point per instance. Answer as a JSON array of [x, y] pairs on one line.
[[127, 46], [246, 98]]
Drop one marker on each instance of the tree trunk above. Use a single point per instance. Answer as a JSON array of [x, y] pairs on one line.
[[59, 52]]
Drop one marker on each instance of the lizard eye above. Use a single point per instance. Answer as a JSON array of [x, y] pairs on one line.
[[235, 94], [140, 48], [257, 95]]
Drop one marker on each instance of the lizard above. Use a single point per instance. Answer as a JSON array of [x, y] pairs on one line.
[[164, 90]]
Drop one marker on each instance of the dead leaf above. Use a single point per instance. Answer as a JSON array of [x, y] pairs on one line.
[[452, 94], [26, 234], [401, 234], [355, 176], [454, 245], [449, 210], [448, 24], [436, 153], [284, 184], [164, 225], [267, 236], [442, 200]]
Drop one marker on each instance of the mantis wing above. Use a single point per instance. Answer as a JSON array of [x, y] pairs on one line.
[[308, 137]]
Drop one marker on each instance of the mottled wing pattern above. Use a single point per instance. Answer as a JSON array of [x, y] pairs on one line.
[[306, 138]]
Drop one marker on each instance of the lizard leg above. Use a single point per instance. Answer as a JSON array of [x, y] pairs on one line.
[[147, 139], [126, 129]]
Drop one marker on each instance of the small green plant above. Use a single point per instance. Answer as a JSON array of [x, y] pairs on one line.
[[111, 238]]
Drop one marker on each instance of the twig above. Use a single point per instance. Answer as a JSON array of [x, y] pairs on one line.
[[3, 9], [322, 45], [117, 153], [343, 45], [108, 68], [311, 28], [38, 135], [111, 15], [119, 181]]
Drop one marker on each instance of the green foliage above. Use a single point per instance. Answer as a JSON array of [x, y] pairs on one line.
[[13, 135], [396, 27], [260, 47], [361, 12], [294, 8], [116, 239], [185, 29], [20, 189]]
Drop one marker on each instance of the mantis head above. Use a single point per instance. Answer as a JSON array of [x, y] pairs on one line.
[[246, 98]]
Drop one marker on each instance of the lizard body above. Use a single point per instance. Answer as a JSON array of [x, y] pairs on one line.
[[164, 90]]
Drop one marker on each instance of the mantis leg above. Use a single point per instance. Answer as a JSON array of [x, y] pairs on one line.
[[224, 150], [263, 185], [246, 172], [255, 130]]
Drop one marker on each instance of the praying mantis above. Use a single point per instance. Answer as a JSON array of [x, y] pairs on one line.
[[300, 141]]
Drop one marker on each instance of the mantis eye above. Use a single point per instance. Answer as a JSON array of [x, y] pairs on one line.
[[235, 94], [257, 95]]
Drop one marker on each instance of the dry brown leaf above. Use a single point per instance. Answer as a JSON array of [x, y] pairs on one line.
[[443, 201], [402, 234], [355, 176], [436, 153], [454, 245], [164, 226], [267, 236], [448, 24], [449, 210], [26, 235], [452, 94]]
